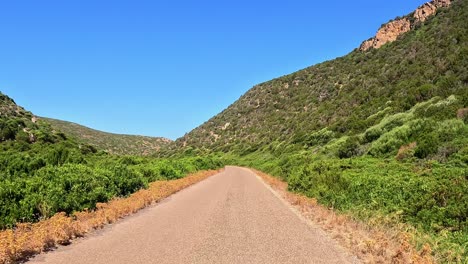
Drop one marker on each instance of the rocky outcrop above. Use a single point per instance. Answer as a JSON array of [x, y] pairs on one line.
[[392, 30], [428, 9], [387, 33]]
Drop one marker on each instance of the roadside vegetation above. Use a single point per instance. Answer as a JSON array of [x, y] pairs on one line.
[[380, 136], [27, 239], [411, 167], [44, 171], [372, 241]]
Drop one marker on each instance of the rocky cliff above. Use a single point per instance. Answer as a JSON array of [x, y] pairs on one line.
[[390, 31]]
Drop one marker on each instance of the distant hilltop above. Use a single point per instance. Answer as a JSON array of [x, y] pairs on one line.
[[390, 31]]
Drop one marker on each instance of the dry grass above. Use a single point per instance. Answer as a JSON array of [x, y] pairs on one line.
[[372, 242], [28, 239], [406, 151], [462, 113]]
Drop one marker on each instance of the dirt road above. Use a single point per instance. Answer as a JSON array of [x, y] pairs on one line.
[[229, 218]]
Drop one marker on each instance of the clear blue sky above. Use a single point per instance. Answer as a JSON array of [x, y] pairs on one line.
[[162, 67]]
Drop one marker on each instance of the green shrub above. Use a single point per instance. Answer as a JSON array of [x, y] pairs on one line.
[[391, 141], [8, 129], [372, 134], [427, 146], [320, 137], [385, 125], [349, 149], [48, 178], [334, 145], [443, 109]]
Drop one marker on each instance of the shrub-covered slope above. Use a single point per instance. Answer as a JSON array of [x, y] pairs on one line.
[[381, 135], [113, 143], [410, 168], [22, 126], [349, 94], [42, 171]]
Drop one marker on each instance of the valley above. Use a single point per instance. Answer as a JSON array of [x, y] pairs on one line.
[[371, 148]]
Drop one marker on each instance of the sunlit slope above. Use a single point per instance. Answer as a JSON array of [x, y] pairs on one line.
[[348, 95]]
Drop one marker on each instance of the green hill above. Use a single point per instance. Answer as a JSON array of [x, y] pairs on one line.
[[380, 133], [113, 143], [349, 94], [43, 171], [22, 126]]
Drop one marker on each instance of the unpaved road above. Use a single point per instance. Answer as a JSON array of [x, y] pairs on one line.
[[231, 217]]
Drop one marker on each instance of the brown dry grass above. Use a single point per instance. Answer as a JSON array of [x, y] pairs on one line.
[[371, 242], [28, 239], [406, 151]]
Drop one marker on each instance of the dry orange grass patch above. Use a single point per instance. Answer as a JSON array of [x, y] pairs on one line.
[[28, 239], [406, 151], [372, 242]]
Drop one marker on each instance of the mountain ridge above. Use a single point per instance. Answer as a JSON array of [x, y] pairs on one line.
[[121, 144], [16, 123]]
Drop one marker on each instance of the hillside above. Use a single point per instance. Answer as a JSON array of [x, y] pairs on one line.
[[43, 171], [349, 94], [380, 134], [22, 126], [113, 143]]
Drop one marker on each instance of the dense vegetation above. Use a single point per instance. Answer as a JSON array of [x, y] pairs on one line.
[[377, 134], [380, 134], [348, 94], [410, 168], [112, 143], [43, 172]]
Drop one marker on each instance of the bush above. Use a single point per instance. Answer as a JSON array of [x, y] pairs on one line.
[[386, 124], [349, 149], [47, 179], [443, 109], [372, 134], [427, 146], [8, 129], [320, 137]]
